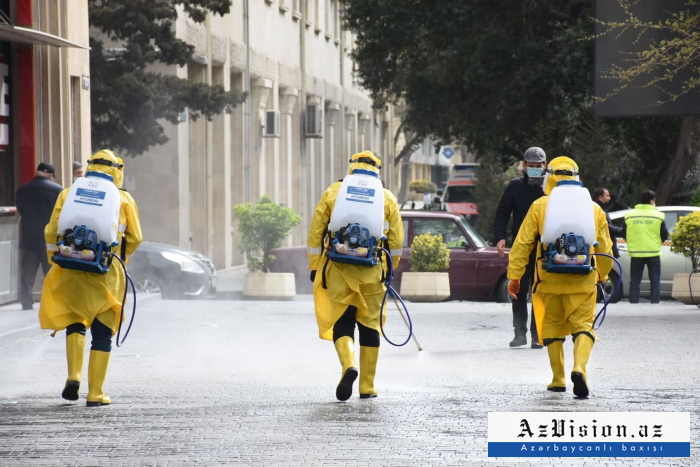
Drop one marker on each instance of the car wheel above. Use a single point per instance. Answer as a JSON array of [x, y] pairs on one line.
[[502, 292], [609, 287], [150, 285], [502, 295]]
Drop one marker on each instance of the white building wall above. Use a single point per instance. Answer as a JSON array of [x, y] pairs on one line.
[[208, 159]]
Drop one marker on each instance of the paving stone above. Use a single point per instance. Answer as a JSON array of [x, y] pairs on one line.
[[250, 383]]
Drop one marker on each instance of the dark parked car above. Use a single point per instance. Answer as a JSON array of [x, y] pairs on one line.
[[476, 270], [171, 271]]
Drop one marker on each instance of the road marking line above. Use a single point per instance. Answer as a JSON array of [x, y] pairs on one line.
[[18, 330]]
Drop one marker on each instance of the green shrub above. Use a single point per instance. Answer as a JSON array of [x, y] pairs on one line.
[[422, 186], [685, 239], [263, 228], [429, 254], [695, 201]]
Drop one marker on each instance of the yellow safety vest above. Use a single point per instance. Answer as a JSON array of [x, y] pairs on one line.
[[644, 231]]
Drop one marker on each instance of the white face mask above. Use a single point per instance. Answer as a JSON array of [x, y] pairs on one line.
[[534, 172]]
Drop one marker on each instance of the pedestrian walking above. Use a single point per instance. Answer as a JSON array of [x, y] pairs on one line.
[[645, 231], [516, 200], [348, 288], [75, 300], [564, 299], [35, 201]]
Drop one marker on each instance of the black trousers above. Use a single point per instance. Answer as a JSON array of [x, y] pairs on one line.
[[653, 265], [29, 261], [345, 326], [101, 334], [520, 305]]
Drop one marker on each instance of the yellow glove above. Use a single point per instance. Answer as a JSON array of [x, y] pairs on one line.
[[514, 289]]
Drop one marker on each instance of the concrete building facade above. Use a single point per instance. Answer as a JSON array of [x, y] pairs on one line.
[[305, 115]]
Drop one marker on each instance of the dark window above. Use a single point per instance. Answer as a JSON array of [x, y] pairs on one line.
[[460, 194], [451, 233]]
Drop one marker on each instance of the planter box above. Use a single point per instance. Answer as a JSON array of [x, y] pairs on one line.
[[271, 286], [680, 290], [425, 286]]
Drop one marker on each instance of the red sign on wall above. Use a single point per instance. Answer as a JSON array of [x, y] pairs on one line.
[[4, 104]]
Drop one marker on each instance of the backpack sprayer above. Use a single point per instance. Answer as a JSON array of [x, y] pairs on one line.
[[81, 251], [568, 255], [353, 244]]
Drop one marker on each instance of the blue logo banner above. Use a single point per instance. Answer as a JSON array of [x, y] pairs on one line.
[[578, 449]]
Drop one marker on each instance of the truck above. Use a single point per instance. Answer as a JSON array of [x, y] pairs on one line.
[[459, 195]]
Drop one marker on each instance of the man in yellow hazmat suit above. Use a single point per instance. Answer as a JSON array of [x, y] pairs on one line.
[[564, 303], [345, 294], [75, 300]]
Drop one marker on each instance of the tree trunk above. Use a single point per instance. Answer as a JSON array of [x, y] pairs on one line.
[[405, 175], [403, 160], [683, 161]]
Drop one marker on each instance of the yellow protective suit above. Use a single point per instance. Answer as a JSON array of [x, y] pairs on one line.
[[564, 303], [71, 296], [359, 286]]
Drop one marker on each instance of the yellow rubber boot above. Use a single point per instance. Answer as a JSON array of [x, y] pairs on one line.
[[75, 351], [368, 368], [556, 361], [582, 350], [345, 347], [97, 371]]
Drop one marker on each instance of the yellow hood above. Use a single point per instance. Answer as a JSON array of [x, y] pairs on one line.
[[365, 160], [106, 162], [561, 168]]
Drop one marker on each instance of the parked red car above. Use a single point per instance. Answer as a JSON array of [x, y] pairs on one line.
[[476, 270]]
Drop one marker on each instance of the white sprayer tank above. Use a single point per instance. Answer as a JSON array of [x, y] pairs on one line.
[[93, 202], [360, 201], [569, 209]]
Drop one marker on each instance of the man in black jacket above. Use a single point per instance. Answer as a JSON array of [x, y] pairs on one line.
[[35, 203], [516, 200], [602, 197]]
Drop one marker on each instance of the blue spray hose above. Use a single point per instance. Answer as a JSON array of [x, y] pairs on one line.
[[690, 289], [390, 289], [607, 301], [133, 312]]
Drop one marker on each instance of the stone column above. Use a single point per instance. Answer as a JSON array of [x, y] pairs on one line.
[[260, 88], [313, 170], [332, 110], [363, 123], [288, 98], [350, 126]]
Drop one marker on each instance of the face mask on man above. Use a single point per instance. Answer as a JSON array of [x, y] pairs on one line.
[[535, 175]]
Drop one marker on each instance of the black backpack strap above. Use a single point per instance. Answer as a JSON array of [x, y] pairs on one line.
[[323, 273], [537, 269], [123, 248]]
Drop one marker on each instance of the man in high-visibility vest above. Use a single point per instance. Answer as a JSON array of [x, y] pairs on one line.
[[645, 231]]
